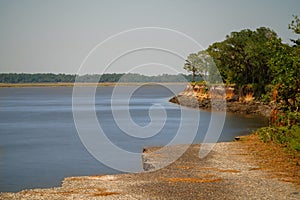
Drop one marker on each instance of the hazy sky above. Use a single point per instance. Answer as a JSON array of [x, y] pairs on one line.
[[56, 35]]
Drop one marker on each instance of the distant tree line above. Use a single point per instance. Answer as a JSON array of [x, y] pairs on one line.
[[70, 78], [35, 78]]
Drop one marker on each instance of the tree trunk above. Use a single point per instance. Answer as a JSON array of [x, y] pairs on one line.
[[193, 76]]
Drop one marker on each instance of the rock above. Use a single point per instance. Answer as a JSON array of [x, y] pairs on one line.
[[237, 138], [230, 105], [194, 97]]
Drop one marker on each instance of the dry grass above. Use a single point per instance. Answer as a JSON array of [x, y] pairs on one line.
[[229, 93], [220, 170], [229, 170], [84, 178], [98, 175], [208, 169], [103, 192], [156, 155], [249, 97], [273, 158], [76, 178], [90, 191], [255, 168], [192, 180], [185, 167]]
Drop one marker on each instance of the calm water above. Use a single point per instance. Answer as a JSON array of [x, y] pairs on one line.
[[39, 144]]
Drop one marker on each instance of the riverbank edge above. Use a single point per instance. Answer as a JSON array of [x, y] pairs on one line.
[[247, 108], [231, 170]]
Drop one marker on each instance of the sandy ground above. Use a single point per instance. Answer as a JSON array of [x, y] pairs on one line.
[[233, 170]]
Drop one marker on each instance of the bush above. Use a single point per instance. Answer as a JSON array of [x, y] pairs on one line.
[[287, 136], [294, 139], [265, 98]]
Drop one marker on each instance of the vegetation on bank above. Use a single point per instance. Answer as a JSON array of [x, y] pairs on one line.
[[288, 137], [90, 78], [259, 64]]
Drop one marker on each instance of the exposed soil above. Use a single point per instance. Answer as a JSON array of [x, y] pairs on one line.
[[233, 106], [222, 98], [281, 163]]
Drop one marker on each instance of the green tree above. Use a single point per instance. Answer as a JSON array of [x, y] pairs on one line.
[[295, 26], [192, 65], [205, 61], [242, 58], [198, 64], [285, 65]]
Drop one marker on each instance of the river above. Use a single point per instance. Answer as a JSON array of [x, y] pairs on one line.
[[39, 143]]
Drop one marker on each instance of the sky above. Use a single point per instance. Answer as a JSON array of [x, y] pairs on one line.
[[58, 36]]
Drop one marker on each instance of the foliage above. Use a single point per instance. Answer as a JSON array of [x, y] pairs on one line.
[[242, 58], [295, 26], [257, 62], [192, 65], [267, 97], [285, 65], [198, 64], [68, 78], [286, 136]]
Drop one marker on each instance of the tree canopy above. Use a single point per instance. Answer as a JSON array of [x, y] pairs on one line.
[[242, 58], [258, 60], [295, 26]]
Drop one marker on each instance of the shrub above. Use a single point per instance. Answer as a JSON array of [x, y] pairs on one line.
[[287, 136]]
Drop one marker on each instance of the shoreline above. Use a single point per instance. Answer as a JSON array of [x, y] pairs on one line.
[[233, 170], [195, 96], [247, 108]]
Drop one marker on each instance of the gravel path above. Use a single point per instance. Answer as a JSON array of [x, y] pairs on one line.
[[228, 172]]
